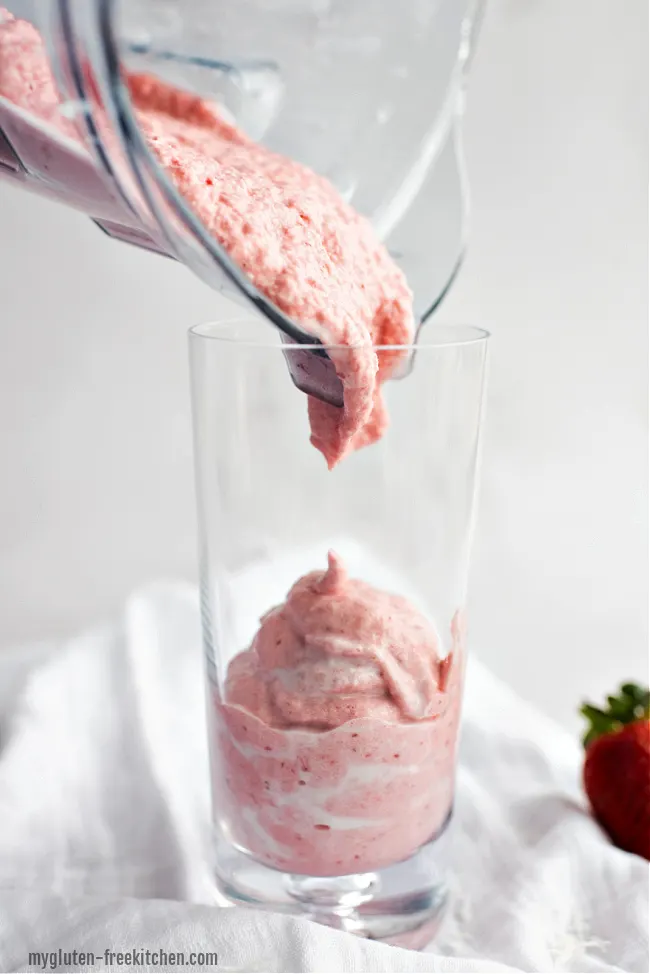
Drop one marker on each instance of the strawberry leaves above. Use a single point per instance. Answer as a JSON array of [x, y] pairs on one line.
[[630, 704]]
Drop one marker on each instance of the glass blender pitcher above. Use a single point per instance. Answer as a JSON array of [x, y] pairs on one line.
[[368, 94]]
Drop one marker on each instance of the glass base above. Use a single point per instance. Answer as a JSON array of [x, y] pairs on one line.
[[402, 905]]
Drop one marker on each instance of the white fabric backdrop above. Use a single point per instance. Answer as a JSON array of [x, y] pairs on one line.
[[104, 811]]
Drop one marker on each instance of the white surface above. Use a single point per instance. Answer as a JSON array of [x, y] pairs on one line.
[[96, 489], [104, 807]]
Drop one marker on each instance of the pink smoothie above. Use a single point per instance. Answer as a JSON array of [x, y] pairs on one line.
[[335, 739], [288, 228]]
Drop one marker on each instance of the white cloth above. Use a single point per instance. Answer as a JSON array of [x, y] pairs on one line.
[[104, 823]]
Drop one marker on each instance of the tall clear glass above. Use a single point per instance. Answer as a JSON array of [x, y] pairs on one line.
[[334, 703]]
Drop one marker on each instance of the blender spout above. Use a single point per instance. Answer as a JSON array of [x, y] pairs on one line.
[[311, 369]]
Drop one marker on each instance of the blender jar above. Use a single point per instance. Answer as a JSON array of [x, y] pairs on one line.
[[366, 94], [333, 610]]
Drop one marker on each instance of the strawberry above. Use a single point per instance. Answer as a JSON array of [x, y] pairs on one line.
[[617, 767]]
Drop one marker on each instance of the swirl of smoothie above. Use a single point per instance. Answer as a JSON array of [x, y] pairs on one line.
[[335, 734], [339, 649]]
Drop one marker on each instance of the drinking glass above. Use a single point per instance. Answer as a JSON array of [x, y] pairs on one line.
[[333, 775]]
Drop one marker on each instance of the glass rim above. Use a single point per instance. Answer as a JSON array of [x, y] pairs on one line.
[[431, 336]]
